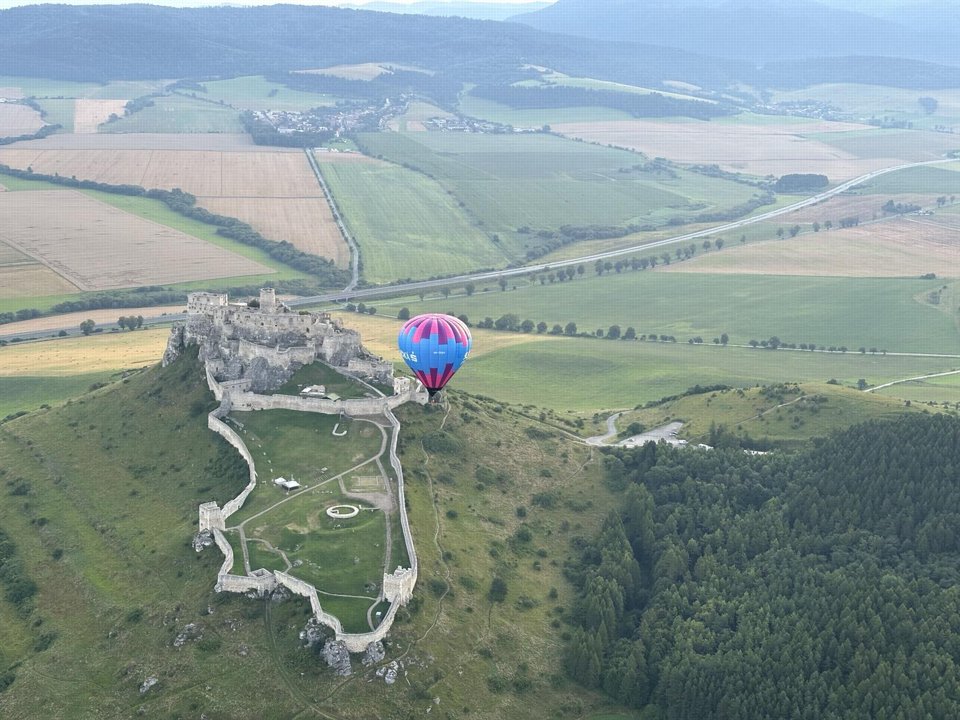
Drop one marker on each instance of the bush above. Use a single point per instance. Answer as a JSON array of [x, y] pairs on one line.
[[498, 590]]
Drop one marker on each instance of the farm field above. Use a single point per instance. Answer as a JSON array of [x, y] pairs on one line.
[[888, 314], [405, 224], [18, 120], [540, 182], [412, 120], [908, 247], [178, 114], [46, 88], [96, 247], [254, 92], [275, 192], [362, 71], [553, 78], [535, 118], [54, 322], [935, 180], [89, 114], [756, 149], [939, 390], [906, 145], [146, 141]]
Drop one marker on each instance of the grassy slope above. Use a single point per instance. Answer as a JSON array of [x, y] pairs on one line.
[[254, 92], [495, 112], [128, 581], [178, 114], [405, 224]]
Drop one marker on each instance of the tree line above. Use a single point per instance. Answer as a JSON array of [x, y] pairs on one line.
[[819, 584]]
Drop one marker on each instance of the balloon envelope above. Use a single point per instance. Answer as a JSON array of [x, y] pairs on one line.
[[434, 346]]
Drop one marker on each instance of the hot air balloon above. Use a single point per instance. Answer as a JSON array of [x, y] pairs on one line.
[[434, 346]]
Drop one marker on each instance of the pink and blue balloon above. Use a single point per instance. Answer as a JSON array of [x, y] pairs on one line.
[[434, 346]]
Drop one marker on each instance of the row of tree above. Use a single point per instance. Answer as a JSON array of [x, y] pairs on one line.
[[819, 584]]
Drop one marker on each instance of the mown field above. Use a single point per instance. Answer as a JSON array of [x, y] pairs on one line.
[[178, 114], [405, 224], [484, 109], [888, 314], [518, 185], [18, 120], [254, 92]]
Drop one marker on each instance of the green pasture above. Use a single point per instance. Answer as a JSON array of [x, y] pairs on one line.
[[561, 80], [786, 415], [351, 612], [178, 114], [535, 118], [58, 112], [296, 445], [405, 224], [19, 393], [935, 390], [584, 375], [942, 179], [47, 88], [851, 312], [254, 92], [319, 373], [542, 182], [903, 145]]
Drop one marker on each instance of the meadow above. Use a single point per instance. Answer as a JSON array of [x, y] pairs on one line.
[[933, 180], [254, 92], [852, 312], [484, 109], [178, 114], [405, 224], [517, 185]]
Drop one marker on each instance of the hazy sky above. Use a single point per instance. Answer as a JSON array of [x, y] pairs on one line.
[[197, 3]]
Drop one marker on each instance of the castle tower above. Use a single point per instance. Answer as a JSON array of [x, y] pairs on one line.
[[268, 300]]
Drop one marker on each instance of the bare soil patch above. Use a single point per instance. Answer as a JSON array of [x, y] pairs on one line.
[[18, 120], [894, 248], [95, 246], [101, 317], [276, 193], [754, 149], [89, 114]]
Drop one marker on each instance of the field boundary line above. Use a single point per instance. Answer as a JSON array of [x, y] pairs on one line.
[[347, 237], [906, 380]]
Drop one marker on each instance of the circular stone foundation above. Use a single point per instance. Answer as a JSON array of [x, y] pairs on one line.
[[343, 512]]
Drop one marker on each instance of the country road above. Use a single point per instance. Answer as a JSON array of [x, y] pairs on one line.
[[352, 293]]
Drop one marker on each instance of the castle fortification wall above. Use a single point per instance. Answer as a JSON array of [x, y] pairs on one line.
[[282, 357], [231, 437], [305, 589]]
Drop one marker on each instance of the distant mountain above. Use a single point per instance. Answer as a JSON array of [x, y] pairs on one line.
[[474, 10], [760, 32]]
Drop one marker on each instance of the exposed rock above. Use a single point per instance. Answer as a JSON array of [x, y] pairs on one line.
[[374, 653], [148, 683], [338, 657], [202, 539], [191, 631], [175, 345], [314, 633]]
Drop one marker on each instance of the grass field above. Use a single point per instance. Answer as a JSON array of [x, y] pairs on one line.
[[937, 390], [535, 118], [254, 92], [59, 111], [542, 182], [786, 415], [46, 88], [26, 393], [881, 313], [90, 113], [936, 180], [756, 149], [320, 373], [178, 114], [405, 224]]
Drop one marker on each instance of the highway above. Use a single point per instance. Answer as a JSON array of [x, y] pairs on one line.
[[351, 293]]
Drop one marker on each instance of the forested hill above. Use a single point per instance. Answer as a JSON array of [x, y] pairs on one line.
[[143, 41], [820, 585]]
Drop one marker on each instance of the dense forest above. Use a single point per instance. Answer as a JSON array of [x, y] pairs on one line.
[[816, 585]]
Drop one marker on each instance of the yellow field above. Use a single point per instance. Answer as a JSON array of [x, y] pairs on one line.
[[79, 356], [773, 149], [95, 246], [110, 315], [30, 280], [275, 192], [89, 114], [18, 120], [907, 247], [236, 142]]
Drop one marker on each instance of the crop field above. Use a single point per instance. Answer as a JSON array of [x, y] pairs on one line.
[[756, 149], [18, 120], [888, 314], [404, 223], [542, 182], [254, 92], [178, 114], [908, 247], [96, 247], [934, 180], [89, 114], [234, 142], [586, 376], [46, 88], [938, 390], [275, 192], [362, 71], [903, 145]]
